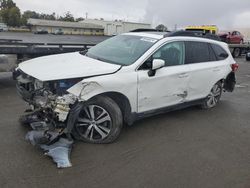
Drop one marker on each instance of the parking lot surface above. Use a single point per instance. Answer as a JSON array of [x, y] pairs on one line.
[[189, 148]]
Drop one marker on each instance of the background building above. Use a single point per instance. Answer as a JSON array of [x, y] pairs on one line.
[[117, 27], [73, 28]]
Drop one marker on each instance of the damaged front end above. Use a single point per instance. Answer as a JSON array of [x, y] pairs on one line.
[[50, 105], [49, 102]]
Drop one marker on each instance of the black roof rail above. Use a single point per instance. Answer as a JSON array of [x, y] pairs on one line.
[[193, 34], [144, 30]]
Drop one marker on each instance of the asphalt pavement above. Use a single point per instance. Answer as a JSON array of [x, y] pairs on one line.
[[189, 148]]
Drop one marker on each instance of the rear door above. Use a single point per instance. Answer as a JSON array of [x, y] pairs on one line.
[[205, 70]]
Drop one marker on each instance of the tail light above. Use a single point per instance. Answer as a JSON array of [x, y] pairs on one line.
[[235, 67]]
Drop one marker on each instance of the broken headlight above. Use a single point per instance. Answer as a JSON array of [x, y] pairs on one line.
[[38, 84], [62, 86]]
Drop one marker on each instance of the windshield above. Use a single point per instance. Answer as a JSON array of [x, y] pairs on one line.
[[122, 49]]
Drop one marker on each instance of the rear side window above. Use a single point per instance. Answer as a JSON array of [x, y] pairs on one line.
[[220, 53], [198, 52]]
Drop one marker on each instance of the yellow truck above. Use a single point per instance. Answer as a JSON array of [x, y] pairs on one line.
[[213, 29]]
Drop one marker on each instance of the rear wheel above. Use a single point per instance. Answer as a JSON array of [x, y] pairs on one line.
[[213, 97], [248, 56], [236, 52], [99, 121]]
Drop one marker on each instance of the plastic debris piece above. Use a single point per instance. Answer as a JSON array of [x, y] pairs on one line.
[[28, 119], [60, 152], [60, 155], [39, 125], [36, 137], [56, 147], [42, 137]]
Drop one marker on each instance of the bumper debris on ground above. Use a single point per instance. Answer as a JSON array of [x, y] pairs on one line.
[[53, 143]]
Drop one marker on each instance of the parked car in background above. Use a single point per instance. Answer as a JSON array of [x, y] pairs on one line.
[[91, 94], [234, 37], [41, 31], [58, 32], [3, 27]]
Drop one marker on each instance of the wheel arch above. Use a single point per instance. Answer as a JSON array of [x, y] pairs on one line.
[[123, 103]]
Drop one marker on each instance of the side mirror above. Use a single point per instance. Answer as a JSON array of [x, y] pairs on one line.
[[156, 64]]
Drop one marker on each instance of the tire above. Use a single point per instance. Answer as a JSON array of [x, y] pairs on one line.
[[100, 121], [248, 56], [213, 97], [236, 52]]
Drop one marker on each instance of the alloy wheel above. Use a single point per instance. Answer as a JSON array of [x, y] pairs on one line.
[[94, 123], [214, 96]]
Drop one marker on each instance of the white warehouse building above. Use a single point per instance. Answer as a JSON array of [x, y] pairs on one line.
[[117, 27]]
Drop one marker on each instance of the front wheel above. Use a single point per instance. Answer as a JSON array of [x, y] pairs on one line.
[[99, 121], [213, 97]]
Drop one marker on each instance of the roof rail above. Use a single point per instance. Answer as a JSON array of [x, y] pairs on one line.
[[193, 34], [144, 30]]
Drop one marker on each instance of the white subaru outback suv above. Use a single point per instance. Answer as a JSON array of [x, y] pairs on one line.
[[91, 94]]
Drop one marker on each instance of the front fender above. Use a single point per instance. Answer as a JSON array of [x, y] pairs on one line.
[[86, 90]]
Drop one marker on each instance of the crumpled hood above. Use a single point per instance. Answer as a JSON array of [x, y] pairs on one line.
[[66, 66]]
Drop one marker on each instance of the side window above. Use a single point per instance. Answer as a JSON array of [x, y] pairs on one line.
[[220, 53], [212, 54], [198, 52], [172, 53]]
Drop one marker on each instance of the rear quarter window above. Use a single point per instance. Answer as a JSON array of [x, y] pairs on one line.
[[220, 53], [198, 52]]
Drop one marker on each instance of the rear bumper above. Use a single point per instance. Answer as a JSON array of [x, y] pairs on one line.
[[229, 83]]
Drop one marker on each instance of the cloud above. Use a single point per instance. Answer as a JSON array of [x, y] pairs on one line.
[[115, 9], [242, 20], [223, 13]]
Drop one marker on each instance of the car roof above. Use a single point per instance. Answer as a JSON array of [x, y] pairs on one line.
[[177, 34], [154, 35]]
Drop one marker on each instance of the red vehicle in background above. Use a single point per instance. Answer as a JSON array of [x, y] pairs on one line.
[[234, 37]]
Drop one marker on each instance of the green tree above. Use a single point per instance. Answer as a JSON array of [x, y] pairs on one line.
[[7, 4], [48, 16], [68, 17], [14, 17], [28, 14], [79, 19], [161, 27], [10, 13]]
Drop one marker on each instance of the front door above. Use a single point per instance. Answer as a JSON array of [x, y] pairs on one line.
[[169, 84]]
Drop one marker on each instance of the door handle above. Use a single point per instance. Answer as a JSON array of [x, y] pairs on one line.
[[183, 75]]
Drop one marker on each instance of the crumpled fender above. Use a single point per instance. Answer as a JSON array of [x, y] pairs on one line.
[[86, 90]]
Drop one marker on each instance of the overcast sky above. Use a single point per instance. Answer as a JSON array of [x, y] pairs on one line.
[[225, 14]]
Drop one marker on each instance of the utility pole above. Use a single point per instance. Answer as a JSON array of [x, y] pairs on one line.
[[86, 15], [175, 27]]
